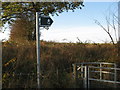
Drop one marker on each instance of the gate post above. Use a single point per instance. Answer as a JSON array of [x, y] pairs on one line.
[[75, 73], [100, 71], [82, 71], [115, 75], [86, 77]]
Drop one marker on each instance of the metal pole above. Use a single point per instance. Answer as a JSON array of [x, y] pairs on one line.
[[88, 77], [115, 75], [38, 49], [85, 77], [100, 71], [86, 80]]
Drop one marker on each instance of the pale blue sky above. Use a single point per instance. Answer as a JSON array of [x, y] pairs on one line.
[[84, 17], [80, 23], [70, 25]]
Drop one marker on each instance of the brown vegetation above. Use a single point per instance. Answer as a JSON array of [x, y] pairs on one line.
[[19, 62]]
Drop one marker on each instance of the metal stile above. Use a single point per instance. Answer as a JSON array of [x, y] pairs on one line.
[[84, 69]]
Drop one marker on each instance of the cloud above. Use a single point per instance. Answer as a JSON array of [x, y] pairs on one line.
[[4, 36], [95, 34]]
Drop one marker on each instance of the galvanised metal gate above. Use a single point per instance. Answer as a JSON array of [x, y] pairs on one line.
[[96, 71]]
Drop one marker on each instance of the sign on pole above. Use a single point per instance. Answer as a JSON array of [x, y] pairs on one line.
[[45, 21], [41, 21]]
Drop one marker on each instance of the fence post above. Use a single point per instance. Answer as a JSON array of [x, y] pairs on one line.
[[82, 70], [86, 77], [75, 73]]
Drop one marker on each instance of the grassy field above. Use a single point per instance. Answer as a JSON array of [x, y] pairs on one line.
[[19, 62]]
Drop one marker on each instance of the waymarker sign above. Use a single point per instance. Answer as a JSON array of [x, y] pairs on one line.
[[45, 21]]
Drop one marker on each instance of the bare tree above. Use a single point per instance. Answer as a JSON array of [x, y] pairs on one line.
[[111, 25]]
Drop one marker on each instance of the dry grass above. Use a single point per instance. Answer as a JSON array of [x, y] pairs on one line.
[[56, 61]]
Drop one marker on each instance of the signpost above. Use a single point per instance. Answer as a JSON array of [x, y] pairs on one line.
[[41, 21], [45, 21]]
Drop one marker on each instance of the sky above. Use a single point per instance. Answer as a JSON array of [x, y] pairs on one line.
[[69, 26]]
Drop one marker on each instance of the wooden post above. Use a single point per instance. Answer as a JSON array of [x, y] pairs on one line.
[[75, 73], [57, 73], [82, 70]]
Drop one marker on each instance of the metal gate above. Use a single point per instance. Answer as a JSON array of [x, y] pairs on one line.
[[96, 71]]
